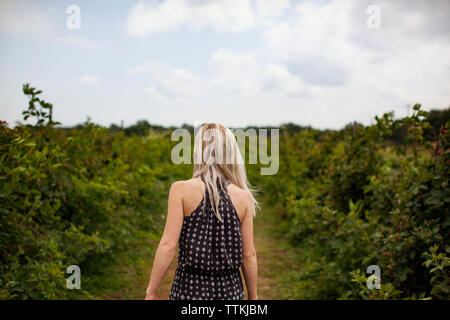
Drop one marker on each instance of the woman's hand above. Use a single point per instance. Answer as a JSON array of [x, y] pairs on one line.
[[150, 295]]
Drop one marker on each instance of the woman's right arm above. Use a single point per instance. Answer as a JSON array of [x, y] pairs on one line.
[[250, 265], [169, 240]]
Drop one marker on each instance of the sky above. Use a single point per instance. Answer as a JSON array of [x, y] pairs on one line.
[[236, 62]]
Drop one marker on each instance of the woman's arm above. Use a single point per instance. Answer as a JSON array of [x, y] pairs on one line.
[[169, 240], [250, 265]]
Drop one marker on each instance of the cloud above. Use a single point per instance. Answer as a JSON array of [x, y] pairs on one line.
[[224, 15], [79, 42], [24, 17], [228, 74], [167, 82], [34, 18], [243, 74], [89, 79], [319, 64], [233, 73], [146, 18], [318, 70], [271, 8], [329, 45], [153, 92]]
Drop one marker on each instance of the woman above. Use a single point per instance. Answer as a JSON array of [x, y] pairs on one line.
[[211, 218]]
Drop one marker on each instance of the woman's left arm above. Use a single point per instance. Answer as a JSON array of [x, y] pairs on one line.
[[169, 240]]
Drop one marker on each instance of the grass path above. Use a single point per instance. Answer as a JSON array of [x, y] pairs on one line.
[[278, 265], [278, 261]]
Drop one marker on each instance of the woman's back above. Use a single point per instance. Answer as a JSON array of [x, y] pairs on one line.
[[210, 250], [193, 195]]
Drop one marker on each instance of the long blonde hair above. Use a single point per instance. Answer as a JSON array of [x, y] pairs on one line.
[[216, 155]]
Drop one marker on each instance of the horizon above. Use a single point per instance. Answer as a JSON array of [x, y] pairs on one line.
[[182, 125]]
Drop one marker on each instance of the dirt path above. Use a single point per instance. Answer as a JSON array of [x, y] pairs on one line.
[[278, 261]]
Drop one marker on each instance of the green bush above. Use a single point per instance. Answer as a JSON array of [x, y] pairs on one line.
[[75, 197], [350, 201]]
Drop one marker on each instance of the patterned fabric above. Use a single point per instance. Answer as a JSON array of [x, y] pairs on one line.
[[210, 253]]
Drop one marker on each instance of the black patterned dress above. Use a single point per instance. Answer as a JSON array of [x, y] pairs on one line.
[[210, 253]]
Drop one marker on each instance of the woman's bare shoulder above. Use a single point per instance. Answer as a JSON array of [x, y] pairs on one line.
[[190, 182], [183, 185], [190, 193], [240, 194]]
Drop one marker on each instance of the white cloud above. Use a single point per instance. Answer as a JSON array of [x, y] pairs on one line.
[[320, 65], [222, 15], [79, 42], [243, 74], [228, 75], [267, 8], [89, 79], [28, 17], [232, 73], [350, 68], [153, 92], [145, 18], [167, 82], [24, 17]]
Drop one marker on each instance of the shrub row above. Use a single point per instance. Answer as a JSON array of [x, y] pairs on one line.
[[350, 201], [76, 197]]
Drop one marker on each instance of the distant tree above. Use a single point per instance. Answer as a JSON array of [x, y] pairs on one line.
[[141, 128], [114, 128], [188, 127], [291, 128]]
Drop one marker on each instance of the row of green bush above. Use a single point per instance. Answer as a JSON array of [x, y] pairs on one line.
[[76, 197], [349, 201]]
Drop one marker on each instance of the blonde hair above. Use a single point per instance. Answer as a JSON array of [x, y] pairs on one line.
[[216, 155]]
